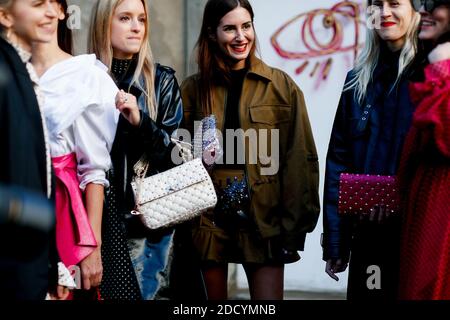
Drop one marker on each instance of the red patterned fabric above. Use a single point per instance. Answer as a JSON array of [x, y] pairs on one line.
[[425, 186]]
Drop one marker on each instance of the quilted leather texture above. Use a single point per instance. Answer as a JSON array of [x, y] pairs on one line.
[[175, 195], [358, 193]]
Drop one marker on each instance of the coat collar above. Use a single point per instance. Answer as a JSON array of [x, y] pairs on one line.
[[16, 62], [126, 82], [387, 64], [24, 55], [259, 68]]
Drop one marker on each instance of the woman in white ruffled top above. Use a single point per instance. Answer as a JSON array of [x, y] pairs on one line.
[[82, 119]]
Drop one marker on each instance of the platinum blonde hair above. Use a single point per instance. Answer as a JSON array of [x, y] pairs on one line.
[[369, 57]]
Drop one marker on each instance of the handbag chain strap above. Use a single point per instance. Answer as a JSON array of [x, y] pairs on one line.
[[141, 167]]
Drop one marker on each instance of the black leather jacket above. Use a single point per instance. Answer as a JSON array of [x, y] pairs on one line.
[[152, 137], [366, 138]]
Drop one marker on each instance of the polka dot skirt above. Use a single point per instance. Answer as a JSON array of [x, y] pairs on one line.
[[119, 279]]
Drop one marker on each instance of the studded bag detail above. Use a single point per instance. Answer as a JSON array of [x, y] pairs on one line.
[[173, 196], [359, 193]]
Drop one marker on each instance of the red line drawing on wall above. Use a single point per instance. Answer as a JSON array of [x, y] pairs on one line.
[[315, 48]]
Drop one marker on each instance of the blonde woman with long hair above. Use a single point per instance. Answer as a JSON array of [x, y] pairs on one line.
[[136, 261], [372, 119]]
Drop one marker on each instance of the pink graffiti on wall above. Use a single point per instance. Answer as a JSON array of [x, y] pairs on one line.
[[314, 48]]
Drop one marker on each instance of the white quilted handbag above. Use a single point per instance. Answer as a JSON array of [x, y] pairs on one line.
[[173, 196]]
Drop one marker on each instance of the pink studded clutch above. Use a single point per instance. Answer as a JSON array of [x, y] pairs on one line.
[[358, 193]]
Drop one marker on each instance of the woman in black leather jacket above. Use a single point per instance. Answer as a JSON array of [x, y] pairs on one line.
[[372, 119], [136, 261]]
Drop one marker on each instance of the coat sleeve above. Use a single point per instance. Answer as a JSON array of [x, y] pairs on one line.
[[4, 78], [433, 104], [300, 177], [190, 102], [155, 135], [336, 230]]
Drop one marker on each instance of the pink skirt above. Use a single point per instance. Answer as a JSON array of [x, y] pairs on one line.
[[75, 239]]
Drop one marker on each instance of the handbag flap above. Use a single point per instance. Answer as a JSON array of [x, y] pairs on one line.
[[358, 193], [170, 181]]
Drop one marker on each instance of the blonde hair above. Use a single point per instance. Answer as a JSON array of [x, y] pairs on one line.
[[100, 44], [369, 56]]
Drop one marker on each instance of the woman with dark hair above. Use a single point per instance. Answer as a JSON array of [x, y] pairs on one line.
[[372, 119], [267, 204], [64, 32], [425, 169], [25, 161], [137, 260], [80, 112]]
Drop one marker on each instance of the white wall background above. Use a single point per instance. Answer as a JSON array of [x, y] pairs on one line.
[[321, 99]]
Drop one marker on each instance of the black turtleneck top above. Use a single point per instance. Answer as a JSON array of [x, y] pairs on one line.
[[119, 68], [232, 118]]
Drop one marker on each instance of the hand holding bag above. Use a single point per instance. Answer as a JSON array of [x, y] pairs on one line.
[[173, 196], [206, 142], [359, 193]]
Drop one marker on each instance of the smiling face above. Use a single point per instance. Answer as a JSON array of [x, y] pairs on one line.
[[235, 36], [128, 28], [30, 21], [434, 24], [396, 17]]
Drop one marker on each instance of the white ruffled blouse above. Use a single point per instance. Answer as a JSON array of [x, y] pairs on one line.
[[81, 115]]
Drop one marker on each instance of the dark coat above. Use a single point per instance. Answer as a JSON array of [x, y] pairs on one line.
[[365, 138], [23, 252]]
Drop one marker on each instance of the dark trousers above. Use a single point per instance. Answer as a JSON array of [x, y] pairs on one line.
[[186, 277], [24, 264], [374, 261]]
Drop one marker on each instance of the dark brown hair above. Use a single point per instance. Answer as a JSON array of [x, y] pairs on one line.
[[212, 64], [64, 33]]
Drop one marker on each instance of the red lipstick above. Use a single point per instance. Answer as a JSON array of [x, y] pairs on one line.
[[387, 24]]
